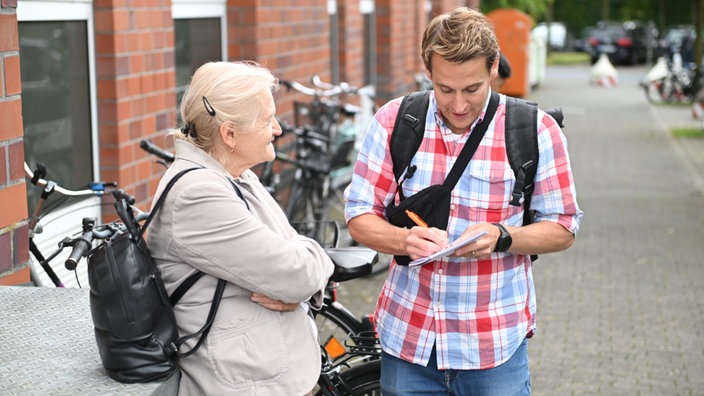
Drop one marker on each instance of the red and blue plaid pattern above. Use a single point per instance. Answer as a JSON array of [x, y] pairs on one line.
[[477, 312]]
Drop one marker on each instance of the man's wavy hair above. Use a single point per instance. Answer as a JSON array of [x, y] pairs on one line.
[[459, 36]]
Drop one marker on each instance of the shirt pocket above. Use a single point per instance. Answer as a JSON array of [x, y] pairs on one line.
[[486, 192]]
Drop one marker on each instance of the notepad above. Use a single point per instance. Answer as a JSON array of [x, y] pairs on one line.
[[448, 250]]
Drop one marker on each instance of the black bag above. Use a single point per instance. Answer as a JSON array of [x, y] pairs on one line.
[[432, 203], [135, 327], [521, 149]]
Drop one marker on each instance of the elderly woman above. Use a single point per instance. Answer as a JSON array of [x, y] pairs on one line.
[[263, 340]]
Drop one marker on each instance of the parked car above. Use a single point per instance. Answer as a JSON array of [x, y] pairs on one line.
[[623, 43]]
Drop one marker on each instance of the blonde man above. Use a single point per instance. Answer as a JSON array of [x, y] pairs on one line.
[[460, 325]]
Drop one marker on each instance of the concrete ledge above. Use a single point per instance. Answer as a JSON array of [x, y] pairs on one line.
[[47, 347]]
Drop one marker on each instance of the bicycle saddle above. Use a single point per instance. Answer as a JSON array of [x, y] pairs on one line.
[[351, 262]]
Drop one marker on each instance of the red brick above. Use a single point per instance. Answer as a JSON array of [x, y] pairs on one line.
[[16, 211], [8, 33], [10, 119], [19, 277], [3, 166], [16, 160], [6, 262], [13, 81], [20, 243]]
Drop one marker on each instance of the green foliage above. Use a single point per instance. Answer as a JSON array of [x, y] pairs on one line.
[[537, 9], [568, 58], [579, 14], [688, 133]]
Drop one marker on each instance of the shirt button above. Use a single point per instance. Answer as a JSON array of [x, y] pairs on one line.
[[452, 207], [440, 271]]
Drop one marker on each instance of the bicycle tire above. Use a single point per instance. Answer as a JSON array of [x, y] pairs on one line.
[[361, 380], [300, 209], [333, 320]]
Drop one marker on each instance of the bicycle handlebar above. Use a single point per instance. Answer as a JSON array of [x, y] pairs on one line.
[[152, 148], [80, 246], [337, 90], [94, 188], [84, 243]]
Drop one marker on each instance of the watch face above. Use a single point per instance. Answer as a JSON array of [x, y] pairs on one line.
[[504, 241]]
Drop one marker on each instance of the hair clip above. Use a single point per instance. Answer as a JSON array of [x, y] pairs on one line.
[[208, 107]]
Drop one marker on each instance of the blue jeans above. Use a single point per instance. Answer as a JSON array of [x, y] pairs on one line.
[[399, 377]]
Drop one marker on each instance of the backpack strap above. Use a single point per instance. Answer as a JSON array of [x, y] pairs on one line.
[[162, 197], [522, 150], [190, 281], [407, 134], [556, 113]]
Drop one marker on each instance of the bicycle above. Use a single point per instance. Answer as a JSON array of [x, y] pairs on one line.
[[670, 82], [315, 195], [355, 371], [38, 178]]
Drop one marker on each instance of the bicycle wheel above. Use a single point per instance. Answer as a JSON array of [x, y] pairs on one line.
[[335, 323], [361, 380], [300, 208]]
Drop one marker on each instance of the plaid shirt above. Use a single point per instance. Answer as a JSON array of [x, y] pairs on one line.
[[476, 312]]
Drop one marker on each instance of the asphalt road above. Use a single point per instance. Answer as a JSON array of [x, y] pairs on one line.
[[621, 312]]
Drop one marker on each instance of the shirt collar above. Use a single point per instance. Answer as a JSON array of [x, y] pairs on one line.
[[444, 130]]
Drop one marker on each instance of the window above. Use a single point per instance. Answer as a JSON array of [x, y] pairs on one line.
[[56, 98], [59, 116], [200, 30]]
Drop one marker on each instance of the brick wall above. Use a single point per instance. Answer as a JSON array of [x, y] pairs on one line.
[[134, 47], [136, 89], [351, 34], [14, 252], [290, 38]]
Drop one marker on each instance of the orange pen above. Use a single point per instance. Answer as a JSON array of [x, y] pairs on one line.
[[416, 219]]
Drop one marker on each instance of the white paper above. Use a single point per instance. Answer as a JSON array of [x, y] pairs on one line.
[[448, 250]]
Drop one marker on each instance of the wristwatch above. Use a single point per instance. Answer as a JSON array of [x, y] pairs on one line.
[[504, 241]]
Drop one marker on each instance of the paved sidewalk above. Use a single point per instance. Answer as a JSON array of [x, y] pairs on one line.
[[620, 313]]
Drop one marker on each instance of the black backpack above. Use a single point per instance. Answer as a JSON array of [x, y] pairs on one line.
[[521, 142], [133, 317]]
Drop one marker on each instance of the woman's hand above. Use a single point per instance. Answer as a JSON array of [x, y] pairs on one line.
[[272, 304]]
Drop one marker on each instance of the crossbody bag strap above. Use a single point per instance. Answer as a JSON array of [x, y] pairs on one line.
[[472, 143]]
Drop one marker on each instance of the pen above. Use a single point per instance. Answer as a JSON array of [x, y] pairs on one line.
[[416, 219]]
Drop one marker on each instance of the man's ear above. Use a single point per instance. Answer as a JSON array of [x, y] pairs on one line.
[[494, 68]]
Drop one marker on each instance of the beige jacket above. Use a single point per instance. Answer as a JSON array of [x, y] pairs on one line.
[[204, 225]]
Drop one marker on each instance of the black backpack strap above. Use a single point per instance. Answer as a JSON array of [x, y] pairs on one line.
[[162, 197], [522, 151], [522, 147], [190, 281], [184, 286], [556, 113], [408, 132], [203, 332]]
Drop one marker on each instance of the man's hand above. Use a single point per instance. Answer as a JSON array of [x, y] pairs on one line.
[[422, 242], [273, 305], [483, 247]]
